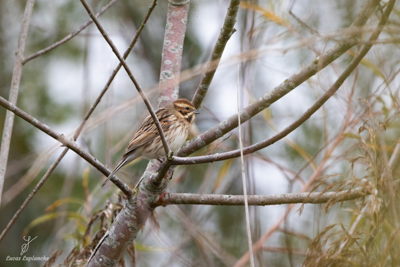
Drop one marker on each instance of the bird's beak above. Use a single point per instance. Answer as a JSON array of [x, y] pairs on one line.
[[196, 111]]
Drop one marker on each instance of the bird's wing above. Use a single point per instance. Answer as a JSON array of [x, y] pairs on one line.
[[148, 130]]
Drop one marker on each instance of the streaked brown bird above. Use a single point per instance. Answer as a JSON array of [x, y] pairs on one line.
[[176, 119]]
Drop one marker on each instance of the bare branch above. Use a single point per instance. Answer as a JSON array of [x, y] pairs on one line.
[[79, 129], [30, 196], [172, 52], [68, 37], [354, 62], [262, 200], [130, 74], [226, 33], [66, 142], [253, 148], [16, 78], [348, 41], [116, 70], [139, 207]]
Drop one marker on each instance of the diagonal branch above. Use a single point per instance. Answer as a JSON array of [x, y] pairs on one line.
[[255, 147], [130, 74], [226, 33], [16, 79], [79, 129], [349, 40], [68, 37], [354, 62], [66, 142], [138, 208], [261, 200]]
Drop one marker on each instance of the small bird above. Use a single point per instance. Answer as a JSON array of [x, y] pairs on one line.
[[176, 119]]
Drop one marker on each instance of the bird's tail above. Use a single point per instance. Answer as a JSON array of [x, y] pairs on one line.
[[119, 166]]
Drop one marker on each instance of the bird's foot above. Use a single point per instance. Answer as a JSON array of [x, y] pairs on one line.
[[170, 156]]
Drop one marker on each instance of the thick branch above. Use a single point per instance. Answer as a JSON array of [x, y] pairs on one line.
[[278, 199], [66, 142], [348, 41], [16, 78], [68, 37], [226, 33], [130, 74], [137, 210], [172, 51]]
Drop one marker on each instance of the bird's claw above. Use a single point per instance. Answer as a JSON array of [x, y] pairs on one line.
[[170, 156]]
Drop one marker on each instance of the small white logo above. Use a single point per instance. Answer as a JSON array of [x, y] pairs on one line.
[[25, 247]]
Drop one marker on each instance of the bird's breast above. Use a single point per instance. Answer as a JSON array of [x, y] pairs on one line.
[[177, 137]]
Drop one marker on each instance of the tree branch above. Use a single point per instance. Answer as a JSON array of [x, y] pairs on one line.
[[30, 196], [355, 61], [68, 37], [15, 82], [255, 147], [79, 129], [66, 142], [226, 33], [348, 41], [254, 200], [130, 74], [172, 51], [133, 216]]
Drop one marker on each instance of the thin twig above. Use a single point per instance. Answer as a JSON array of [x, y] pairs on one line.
[[356, 60], [267, 142], [15, 82], [226, 138], [79, 129], [349, 40], [253, 148], [115, 71], [66, 142], [226, 33], [68, 37], [20, 185], [285, 250], [246, 205], [258, 200], [353, 227], [30, 196], [130, 74]]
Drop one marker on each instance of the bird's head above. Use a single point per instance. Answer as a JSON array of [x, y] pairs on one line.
[[185, 109]]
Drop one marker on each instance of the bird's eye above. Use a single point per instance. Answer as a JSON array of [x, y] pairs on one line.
[[187, 108]]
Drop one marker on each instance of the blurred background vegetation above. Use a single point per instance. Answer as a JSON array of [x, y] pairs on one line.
[[348, 143]]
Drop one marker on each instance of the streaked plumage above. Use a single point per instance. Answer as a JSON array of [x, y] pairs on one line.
[[176, 120]]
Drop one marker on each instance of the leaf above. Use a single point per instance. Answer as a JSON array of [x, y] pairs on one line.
[[222, 173], [51, 216], [268, 14], [369, 65], [141, 247], [351, 135], [85, 183], [63, 201]]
